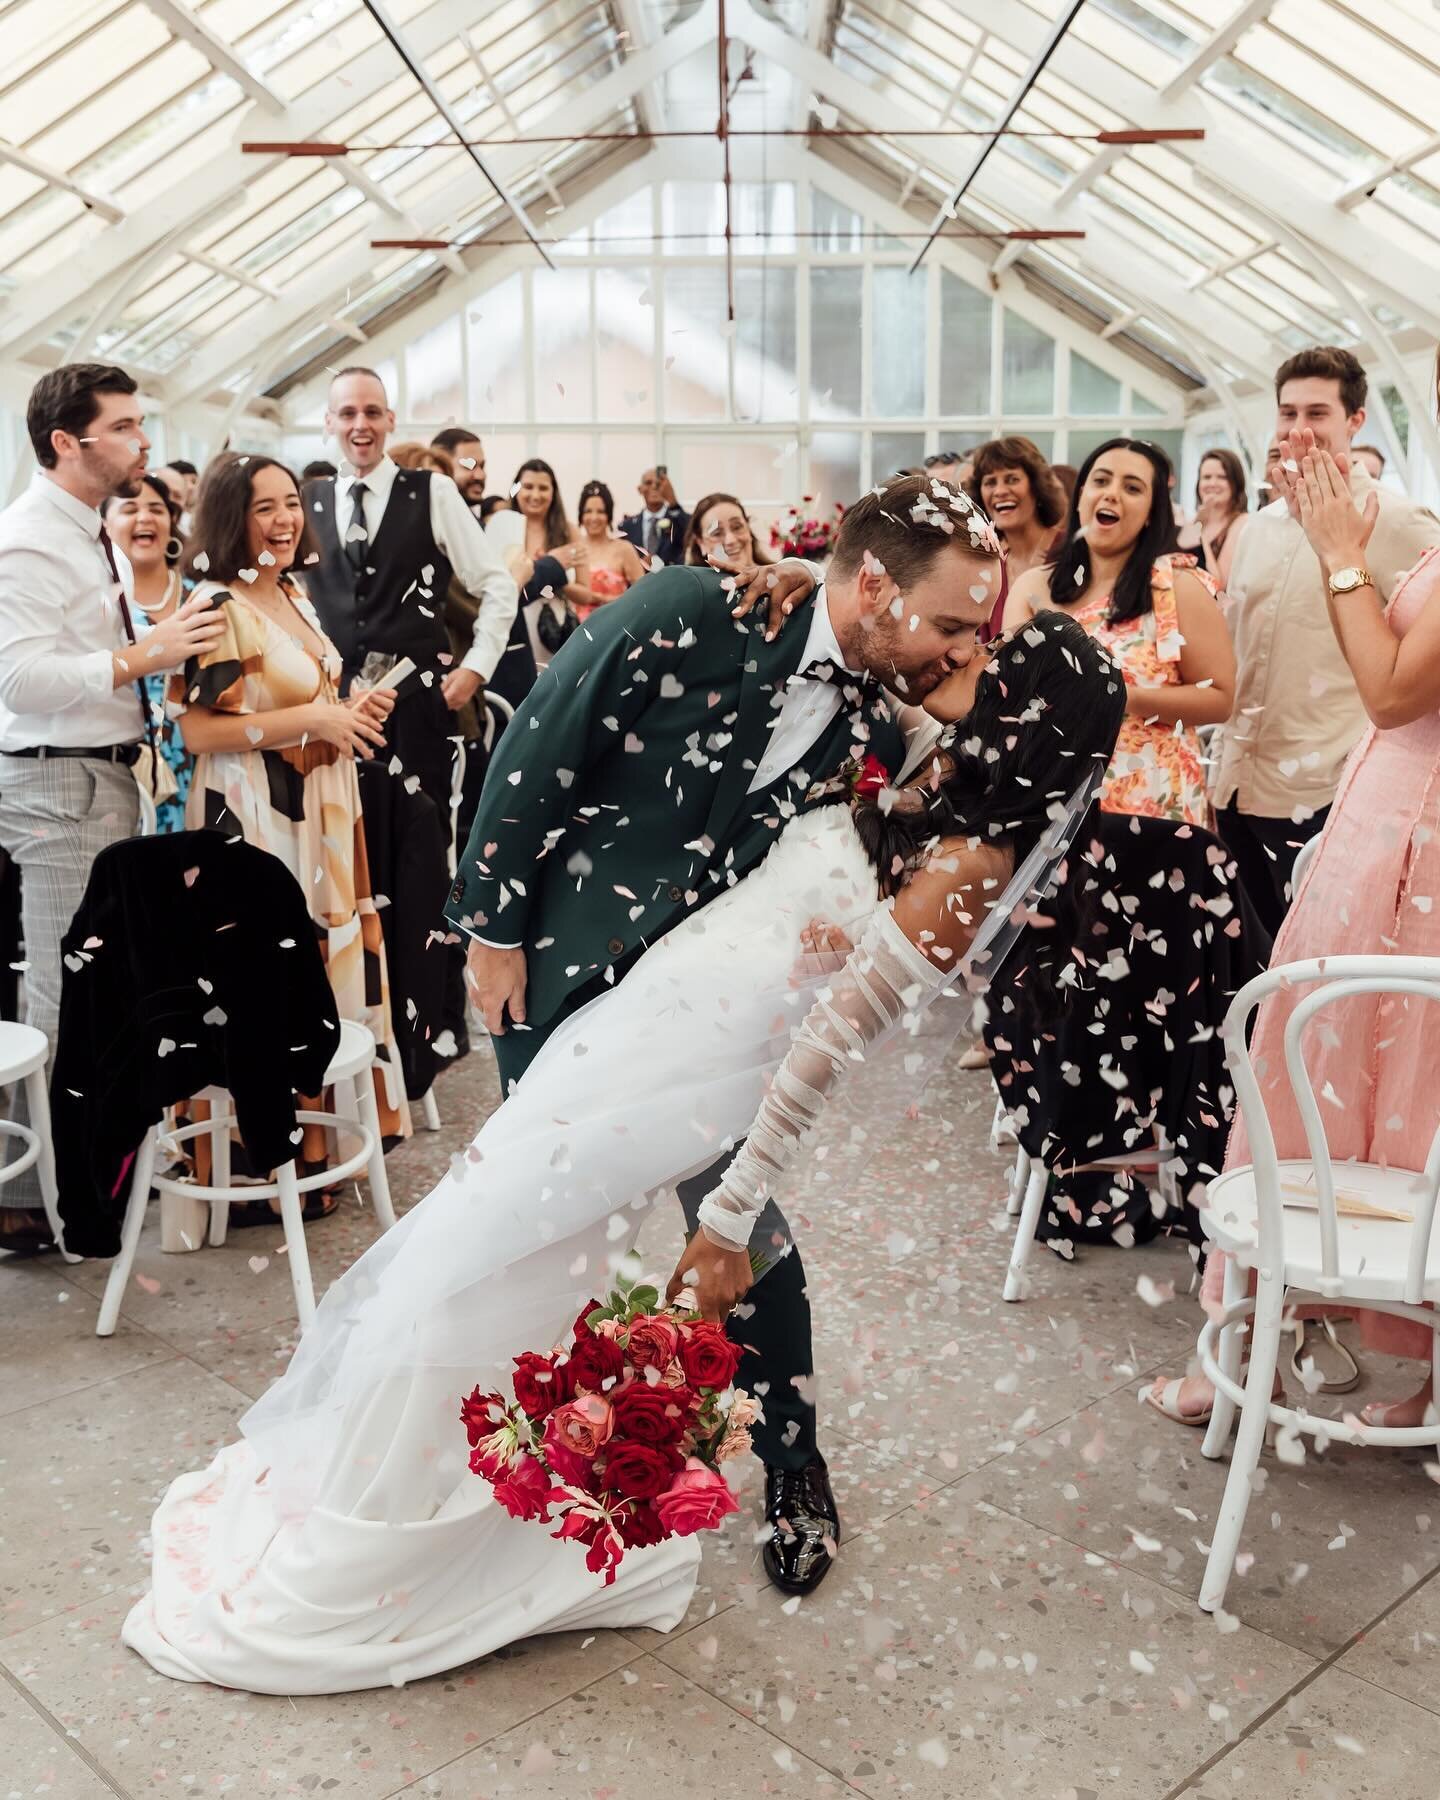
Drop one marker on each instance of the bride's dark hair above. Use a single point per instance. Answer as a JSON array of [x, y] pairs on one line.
[[1047, 712]]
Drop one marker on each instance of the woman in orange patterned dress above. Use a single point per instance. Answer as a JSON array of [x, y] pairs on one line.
[[1159, 619], [275, 746]]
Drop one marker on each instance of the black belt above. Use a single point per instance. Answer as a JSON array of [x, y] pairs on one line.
[[129, 754]]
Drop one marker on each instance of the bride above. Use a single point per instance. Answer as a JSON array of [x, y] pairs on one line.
[[343, 1543]]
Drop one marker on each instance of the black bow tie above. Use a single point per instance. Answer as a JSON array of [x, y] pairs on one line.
[[856, 689]]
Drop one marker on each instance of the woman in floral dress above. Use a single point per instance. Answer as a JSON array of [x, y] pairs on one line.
[[1159, 619], [275, 747]]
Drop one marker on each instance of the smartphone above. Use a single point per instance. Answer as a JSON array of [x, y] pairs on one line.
[[661, 471]]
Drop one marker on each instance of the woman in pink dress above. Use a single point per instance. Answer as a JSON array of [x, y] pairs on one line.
[[613, 561], [1370, 889]]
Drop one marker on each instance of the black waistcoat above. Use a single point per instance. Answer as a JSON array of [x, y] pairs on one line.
[[396, 603]]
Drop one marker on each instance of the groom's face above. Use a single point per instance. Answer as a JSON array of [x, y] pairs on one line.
[[914, 640]]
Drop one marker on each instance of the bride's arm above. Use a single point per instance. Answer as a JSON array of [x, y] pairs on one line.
[[904, 955]]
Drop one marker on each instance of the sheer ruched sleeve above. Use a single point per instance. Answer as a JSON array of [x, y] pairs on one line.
[[885, 978]]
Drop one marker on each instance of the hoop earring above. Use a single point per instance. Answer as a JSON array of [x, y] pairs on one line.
[[175, 549]]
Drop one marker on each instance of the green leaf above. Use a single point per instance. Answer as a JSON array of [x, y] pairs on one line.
[[644, 1299]]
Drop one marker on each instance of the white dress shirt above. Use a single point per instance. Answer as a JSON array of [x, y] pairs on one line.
[[60, 625], [809, 707], [478, 568]]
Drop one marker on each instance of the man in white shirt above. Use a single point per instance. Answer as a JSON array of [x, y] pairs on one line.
[[71, 714]]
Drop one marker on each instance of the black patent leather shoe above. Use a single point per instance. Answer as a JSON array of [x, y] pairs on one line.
[[799, 1504]]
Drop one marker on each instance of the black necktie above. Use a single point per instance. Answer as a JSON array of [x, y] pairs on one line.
[[357, 538]]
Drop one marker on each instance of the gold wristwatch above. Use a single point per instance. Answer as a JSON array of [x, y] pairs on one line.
[[1346, 581]]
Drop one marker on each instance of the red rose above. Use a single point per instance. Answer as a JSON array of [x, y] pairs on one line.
[[707, 1356], [651, 1342], [639, 1471], [574, 1435], [646, 1414], [605, 1545], [873, 778], [697, 1500], [640, 1525], [480, 1414], [594, 1361], [524, 1490], [539, 1385], [581, 1329]]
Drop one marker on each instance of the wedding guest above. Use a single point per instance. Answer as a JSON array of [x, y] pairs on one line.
[[491, 504], [548, 562], [1067, 475], [1379, 851], [1161, 623], [720, 529], [467, 463], [1297, 713], [1372, 457], [614, 564], [322, 469], [1221, 514], [145, 526], [275, 745], [1011, 480], [658, 529], [388, 539], [72, 715], [955, 467]]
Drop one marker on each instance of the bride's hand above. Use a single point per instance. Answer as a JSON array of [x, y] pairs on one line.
[[779, 587], [821, 938], [718, 1276]]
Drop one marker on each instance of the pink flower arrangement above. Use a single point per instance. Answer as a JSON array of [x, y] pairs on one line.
[[800, 534], [616, 1437]]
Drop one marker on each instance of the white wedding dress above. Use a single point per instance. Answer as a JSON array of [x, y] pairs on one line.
[[343, 1542]]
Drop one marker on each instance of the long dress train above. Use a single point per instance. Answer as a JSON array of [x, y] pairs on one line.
[[343, 1542]]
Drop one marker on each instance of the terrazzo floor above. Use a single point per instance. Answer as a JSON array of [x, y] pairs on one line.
[[1013, 1612]]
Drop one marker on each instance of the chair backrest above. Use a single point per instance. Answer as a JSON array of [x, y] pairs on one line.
[[1304, 856], [1332, 979]]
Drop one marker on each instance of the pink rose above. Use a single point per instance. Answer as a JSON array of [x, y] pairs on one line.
[[651, 1341], [696, 1500], [575, 1434]]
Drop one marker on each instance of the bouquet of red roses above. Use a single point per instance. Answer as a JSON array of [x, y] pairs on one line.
[[617, 1435]]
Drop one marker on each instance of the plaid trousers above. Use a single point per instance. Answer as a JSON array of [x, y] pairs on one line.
[[56, 816]]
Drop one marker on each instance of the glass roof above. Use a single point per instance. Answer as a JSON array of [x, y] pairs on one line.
[[130, 224]]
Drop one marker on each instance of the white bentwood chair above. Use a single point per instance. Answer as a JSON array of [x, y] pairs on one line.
[[1029, 1179], [1387, 1265]]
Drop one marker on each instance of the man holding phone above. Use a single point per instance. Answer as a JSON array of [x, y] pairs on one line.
[[658, 530]]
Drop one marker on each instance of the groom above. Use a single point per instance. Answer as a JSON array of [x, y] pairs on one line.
[[654, 764]]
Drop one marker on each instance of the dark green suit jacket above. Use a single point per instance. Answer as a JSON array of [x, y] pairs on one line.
[[617, 799]]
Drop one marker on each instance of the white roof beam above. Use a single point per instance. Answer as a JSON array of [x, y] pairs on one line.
[[952, 100], [1239, 260], [194, 202], [220, 55], [57, 178], [649, 99], [498, 100], [1221, 43], [1354, 192], [229, 270]]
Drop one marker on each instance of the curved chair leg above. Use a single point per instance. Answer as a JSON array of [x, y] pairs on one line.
[[1228, 1354], [1019, 1176], [296, 1249], [119, 1276], [375, 1170], [219, 1169], [430, 1111], [1244, 1460], [1025, 1233], [37, 1101]]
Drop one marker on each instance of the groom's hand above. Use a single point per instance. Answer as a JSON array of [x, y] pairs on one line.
[[496, 979], [779, 587], [718, 1276]]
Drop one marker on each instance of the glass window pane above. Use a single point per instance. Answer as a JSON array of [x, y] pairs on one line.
[[627, 229], [625, 344], [838, 227], [835, 468], [1143, 407], [692, 218], [564, 388], [964, 348], [759, 470], [1044, 441], [696, 352], [765, 379], [763, 219], [1029, 372], [1092, 391], [892, 451], [836, 313], [897, 343], [495, 329], [623, 457], [433, 375]]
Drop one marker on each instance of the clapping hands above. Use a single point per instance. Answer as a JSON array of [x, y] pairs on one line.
[[1315, 486]]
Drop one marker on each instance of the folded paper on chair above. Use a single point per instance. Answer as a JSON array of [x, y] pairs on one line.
[[1348, 1204]]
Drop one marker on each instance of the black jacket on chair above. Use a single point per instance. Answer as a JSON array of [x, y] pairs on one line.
[[191, 962]]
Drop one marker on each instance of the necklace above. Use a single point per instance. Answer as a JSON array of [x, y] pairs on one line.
[[172, 588]]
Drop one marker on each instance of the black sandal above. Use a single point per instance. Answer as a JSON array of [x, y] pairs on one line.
[[25, 1233], [247, 1213]]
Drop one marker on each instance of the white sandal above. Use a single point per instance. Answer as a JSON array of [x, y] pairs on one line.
[[1167, 1401], [1347, 1383]]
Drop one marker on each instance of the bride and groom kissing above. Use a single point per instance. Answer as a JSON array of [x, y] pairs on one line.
[[661, 824]]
